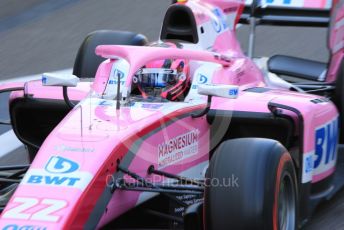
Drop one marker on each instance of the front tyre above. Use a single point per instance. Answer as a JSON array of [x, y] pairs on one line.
[[251, 184]]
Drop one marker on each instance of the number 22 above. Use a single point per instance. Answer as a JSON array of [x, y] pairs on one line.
[[44, 214]]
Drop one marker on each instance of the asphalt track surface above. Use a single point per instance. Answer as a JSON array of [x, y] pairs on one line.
[[44, 35]]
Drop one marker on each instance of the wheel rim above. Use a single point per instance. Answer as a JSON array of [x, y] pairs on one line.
[[286, 204]]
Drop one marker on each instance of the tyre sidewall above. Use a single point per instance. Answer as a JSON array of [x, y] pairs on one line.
[[259, 164]]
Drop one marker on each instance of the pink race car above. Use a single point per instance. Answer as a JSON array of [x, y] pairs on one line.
[[186, 132]]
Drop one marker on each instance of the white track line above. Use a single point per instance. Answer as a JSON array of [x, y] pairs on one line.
[[9, 143]]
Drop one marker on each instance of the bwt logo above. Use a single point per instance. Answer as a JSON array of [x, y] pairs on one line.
[[326, 139], [59, 171], [24, 227], [309, 164], [58, 164], [115, 82], [117, 73], [202, 79], [53, 180], [233, 92], [287, 2], [44, 80], [220, 22]]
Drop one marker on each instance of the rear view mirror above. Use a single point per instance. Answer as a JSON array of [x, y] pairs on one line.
[[67, 80], [64, 80], [226, 91]]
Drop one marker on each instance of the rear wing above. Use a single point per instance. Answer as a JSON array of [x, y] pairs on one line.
[[310, 13]]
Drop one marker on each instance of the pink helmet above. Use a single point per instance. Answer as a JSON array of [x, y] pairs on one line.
[[168, 79]]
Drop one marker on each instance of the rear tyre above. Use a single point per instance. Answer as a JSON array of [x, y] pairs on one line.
[[251, 184], [87, 62]]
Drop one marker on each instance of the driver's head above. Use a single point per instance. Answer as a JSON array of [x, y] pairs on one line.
[[168, 79]]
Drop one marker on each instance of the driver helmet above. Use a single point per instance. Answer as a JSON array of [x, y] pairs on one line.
[[168, 79]]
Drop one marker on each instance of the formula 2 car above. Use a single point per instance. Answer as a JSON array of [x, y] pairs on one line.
[[186, 132]]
